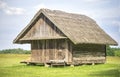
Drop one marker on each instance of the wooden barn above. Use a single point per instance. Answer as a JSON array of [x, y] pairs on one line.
[[56, 36]]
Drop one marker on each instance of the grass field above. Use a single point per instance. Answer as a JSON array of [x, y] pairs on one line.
[[10, 67]]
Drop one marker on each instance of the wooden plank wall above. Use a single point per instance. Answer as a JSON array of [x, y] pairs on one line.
[[89, 53], [45, 50]]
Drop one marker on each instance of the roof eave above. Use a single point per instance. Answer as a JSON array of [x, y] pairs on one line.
[[115, 43]]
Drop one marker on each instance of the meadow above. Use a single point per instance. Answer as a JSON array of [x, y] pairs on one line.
[[10, 67]]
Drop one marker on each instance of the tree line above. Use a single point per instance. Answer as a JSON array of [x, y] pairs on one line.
[[15, 51], [112, 51], [109, 50]]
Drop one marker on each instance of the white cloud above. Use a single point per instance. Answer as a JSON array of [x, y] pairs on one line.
[[11, 10], [14, 10]]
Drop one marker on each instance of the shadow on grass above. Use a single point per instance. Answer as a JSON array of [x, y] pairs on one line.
[[107, 73]]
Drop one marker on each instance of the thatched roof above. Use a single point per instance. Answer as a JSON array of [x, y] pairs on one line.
[[78, 28]]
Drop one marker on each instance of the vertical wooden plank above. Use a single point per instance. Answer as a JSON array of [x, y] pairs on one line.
[[42, 51], [47, 51], [38, 56], [56, 52], [43, 26], [31, 50], [105, 52], [71, 52], [55, 49], [66, 50], [36, 53], [40, 33]]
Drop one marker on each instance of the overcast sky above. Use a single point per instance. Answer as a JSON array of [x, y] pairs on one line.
[[16, 14]]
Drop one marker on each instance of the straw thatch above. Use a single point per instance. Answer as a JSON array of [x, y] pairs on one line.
[[78, 28]]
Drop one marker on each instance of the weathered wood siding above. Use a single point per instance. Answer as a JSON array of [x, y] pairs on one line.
[[43, 29], [45, 50], [89, 53]]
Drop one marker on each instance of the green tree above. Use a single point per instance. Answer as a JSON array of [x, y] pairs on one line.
[[15, 51], [109, 50], [117, 53]]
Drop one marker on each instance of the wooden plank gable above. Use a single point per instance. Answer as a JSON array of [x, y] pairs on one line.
[[43, 29]]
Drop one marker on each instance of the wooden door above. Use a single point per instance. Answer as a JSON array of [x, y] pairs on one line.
[[61, 50]]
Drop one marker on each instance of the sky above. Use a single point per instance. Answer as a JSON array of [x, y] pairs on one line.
[[16, 14]]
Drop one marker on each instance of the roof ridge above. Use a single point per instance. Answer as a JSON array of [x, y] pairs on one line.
[[64, 14]]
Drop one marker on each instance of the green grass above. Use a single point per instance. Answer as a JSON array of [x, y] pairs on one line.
[[10, 67]]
